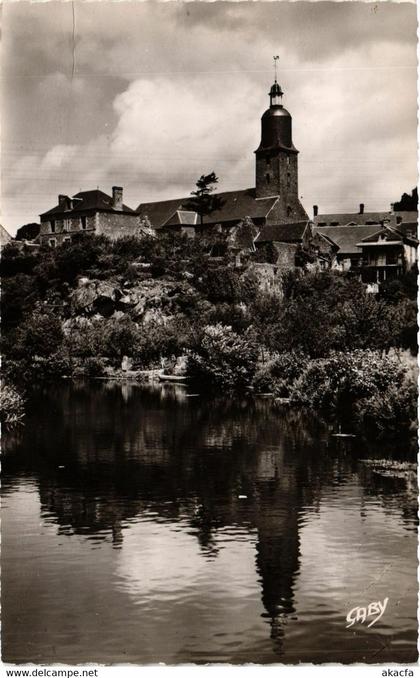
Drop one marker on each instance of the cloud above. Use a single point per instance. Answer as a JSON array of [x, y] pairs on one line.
[[164, 92]]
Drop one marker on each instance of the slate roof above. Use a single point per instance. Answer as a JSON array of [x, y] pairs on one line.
[[236, 205], [325, 237], [351, 218], [187, 218], [408, 228], [89, 200], [347, 237], [292, 233], [387, 234], [407, 216]]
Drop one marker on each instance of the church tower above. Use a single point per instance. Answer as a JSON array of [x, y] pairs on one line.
[[277, 161]]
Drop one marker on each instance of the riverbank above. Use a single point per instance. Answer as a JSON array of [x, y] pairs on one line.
[[365, 392], [101, 309]]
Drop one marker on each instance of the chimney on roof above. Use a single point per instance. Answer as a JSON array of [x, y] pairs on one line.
[[117, 198], [62, 200], [361, 208], [315, 210]]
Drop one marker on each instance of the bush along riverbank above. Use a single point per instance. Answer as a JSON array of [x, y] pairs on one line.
[[12, 405], [97, 308]]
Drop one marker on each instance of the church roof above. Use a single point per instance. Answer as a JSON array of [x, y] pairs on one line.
[[88, 200], [235, 206], [292, 233]]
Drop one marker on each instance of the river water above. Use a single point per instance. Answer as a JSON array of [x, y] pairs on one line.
[[149, 524]]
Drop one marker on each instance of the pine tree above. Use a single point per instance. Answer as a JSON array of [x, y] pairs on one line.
[[203, 202]]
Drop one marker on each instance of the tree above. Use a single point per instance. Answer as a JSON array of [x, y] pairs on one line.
[[28, 231], [203, 202], [223, 358], [243, 235], [41, 335], [408, 203]]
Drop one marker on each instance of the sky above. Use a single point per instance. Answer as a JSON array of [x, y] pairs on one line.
[[150, 95]]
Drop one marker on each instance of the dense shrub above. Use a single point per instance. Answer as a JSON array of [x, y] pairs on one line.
[[278, 374], [340, 380], [391, 414], [220, 285], [47, 368], [323, 312], [362, 388], [157, 341], [16, 259], [407, 332], [235, 315], [223, 358], [93, 367], [18, 296], [120, 338], [12, 405], [368, 322], [40, 335]]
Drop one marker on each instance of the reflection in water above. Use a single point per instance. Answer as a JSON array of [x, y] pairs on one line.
[[214, 512]]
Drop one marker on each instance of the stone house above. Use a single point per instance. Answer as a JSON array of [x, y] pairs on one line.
[[88, 212]]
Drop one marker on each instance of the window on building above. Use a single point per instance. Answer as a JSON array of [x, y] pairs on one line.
[[52, 223], [83, 222], [267, 178], [392, 258], [52, 242], [66, 240], [289, 210], [288, 180]]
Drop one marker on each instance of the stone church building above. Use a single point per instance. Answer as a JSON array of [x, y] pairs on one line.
[[274, 200]]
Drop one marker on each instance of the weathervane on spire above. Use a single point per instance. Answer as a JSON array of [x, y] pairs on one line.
[[275, 59], [275, 91]]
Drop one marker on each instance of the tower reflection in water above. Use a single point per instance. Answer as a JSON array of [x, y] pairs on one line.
[[118, 452]]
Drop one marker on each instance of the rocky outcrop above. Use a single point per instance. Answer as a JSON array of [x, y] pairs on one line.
[[95, 296], [145, 301]]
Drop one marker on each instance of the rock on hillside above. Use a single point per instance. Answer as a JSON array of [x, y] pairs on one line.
[[142, 300]]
